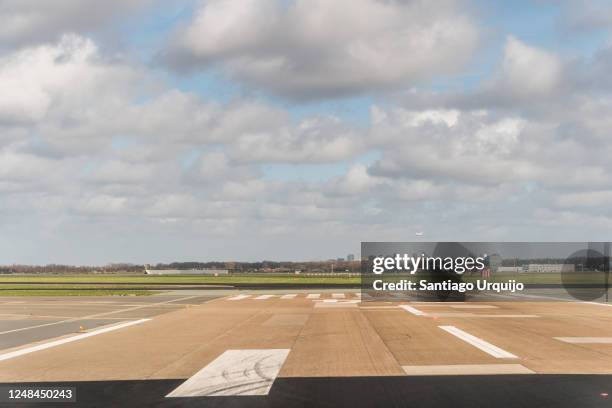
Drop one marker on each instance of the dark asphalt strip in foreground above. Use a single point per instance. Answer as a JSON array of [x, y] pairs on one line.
[[573, 391]]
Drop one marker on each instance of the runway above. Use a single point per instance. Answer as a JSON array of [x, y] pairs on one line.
[[306, 348]]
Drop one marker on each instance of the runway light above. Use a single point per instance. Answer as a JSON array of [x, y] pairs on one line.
[[604, 395]]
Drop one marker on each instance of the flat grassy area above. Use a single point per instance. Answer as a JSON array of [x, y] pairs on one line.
[[586, 277], [124, 281], [219, 280], [76, 292], [552, 278]]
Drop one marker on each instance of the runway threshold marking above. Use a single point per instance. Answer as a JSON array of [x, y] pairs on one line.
[[235, 372], [413, 310], [44, 346], [467, 369], [478, 343], [264, 297], [75, 319], [338, 295], [313, 296], [585, 340], [289, 296], [239, 297]]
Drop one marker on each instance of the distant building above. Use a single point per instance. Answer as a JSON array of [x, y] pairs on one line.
[[551, 268], [350, 257], [509, 269], [208, 272], [340, 260]]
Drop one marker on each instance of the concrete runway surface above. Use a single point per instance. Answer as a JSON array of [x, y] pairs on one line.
[[308, 348]]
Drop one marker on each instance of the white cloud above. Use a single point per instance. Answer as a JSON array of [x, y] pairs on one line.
[[528, 72], [93, 148], [313, 140], [585, 199], [319, 48], [30, 21], [357, 181], [102, 205]]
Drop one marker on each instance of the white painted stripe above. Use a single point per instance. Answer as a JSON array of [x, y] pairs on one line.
[[358, 294], [264, 297], [289, 296], [74, 319], [586, 340], [487, 316], [478, 343], [599, 304], [313, 296], [235, 372], [338, 295], [473, 307], [239, 297], [413, 310], [467, 369], [44, 346], [378, 307]]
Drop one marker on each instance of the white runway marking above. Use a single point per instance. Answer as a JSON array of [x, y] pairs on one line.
[[413, 310], [378, 307], [599, 304], [264, 297], [473, 307], [586, 340], [358, 294], [313, 296], [338, 295], [289, 296], [467, 369], [488, 316], [239, 297], [56, 343], [235, 372], [99, 314], [478, 343]]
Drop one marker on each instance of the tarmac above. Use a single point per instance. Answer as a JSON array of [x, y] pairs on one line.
[[308, 348]]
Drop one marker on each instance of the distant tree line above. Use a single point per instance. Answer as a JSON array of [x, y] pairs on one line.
[[261, 266]]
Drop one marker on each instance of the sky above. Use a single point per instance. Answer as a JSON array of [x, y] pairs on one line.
[[143, 131]]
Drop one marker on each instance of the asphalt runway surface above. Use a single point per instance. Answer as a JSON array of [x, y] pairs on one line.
[[308, 348]]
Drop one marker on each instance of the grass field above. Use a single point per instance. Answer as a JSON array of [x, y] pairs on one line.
[[124, 285], [577, 277], [585, 278], [76, 292], [101, 285]]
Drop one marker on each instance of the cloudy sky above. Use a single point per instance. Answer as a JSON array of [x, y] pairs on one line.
[[143, 131]]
